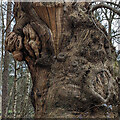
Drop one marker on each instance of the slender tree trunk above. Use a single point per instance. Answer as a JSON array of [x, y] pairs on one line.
[[6, 65], [3, 26], [1, 66], [25, 103], [28, 85], [119, 70], [15, 92], [70, 60], [9, 101]]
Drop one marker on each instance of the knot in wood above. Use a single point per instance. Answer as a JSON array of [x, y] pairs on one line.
[[18, 55], [75, 63], [62, 57], [13, 42]]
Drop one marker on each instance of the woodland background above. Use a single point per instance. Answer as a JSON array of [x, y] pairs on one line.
[[15, 79]]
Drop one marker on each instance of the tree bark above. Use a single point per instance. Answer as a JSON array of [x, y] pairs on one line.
[[105, 6], [6, 65], [15, 91], [3, 26], [72, 63]]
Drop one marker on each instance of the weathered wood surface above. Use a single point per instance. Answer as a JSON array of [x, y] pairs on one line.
[[72, 63]]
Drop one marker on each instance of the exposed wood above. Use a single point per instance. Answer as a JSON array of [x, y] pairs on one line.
[[81, 76]]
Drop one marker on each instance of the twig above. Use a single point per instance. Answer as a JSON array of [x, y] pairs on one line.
[[89, 108], [118, 5], [98, 27], [90, 14], [95, 7], [9, 24], [86, 35]]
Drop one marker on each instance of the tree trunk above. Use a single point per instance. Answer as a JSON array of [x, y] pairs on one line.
[[6, 65], [3, 26], [72, 63], [15, 91]]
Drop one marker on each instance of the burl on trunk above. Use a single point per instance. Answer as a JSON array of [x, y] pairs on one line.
[[72, 63]]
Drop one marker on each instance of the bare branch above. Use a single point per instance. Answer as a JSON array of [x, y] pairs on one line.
[[116, 35], [9, 24], [118, 5], [95, 7]]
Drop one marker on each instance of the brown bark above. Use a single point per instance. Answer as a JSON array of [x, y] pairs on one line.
[[71, 65]]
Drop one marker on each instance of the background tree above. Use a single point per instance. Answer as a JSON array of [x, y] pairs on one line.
[[6, 65], [22, 74], [71, 63], [109, 19]]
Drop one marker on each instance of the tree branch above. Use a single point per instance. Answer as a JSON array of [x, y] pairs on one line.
[[9, 24], [116, 35], [104, 6], [118, 5]]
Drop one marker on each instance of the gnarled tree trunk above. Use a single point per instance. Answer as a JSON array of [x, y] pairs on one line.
[[72, 63]]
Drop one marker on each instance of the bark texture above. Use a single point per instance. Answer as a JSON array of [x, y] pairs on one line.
[[72, 64], [5, 75]]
